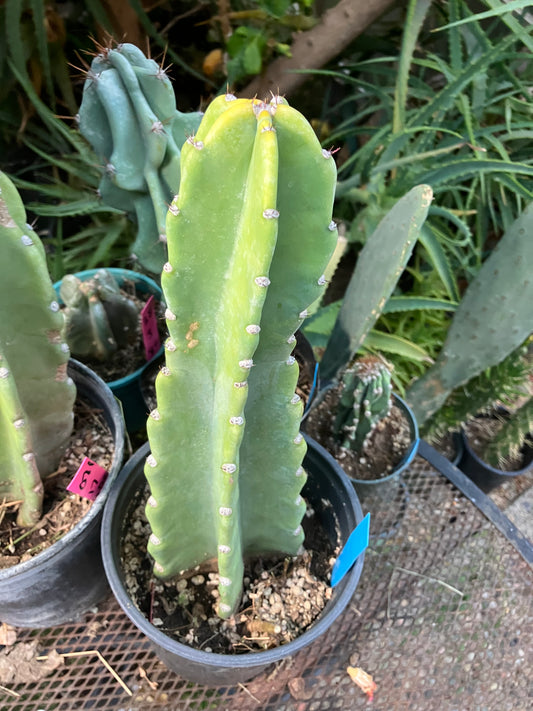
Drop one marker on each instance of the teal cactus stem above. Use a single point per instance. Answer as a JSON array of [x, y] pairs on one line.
[[493, 318], [365, 400], [99, 318], [249, 238], [31, 338], [128, 114]]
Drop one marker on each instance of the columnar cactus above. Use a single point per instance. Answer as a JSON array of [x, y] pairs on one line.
[[379, 266], [493, 318], [34, 358], [366, 398], [99, 319], [128, 114], [249, 238]]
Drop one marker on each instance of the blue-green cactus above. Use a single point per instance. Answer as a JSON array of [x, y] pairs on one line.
[[366, 398], [36, 395], [99, 319], [249, 238], [128, 114]]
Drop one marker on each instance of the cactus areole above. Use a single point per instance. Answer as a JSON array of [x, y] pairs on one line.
[[249, 239]]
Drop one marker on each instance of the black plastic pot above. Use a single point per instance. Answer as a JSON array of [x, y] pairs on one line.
[[128, 388], [65, 580], [485, 476], [331, 496]]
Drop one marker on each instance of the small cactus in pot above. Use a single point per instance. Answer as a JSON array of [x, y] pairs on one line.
[[249, 238], [365, 400], [36, 394], [99, 318]]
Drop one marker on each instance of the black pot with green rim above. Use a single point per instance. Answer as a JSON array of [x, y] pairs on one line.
[[333, 498], [485, 476], [128, 388], [67, 579]]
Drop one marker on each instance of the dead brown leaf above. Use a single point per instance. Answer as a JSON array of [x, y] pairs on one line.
[[297, 689], [363, 680], [8, 635], [19, 665]]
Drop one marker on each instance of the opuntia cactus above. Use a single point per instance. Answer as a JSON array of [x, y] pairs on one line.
[[379, 266], [128, 114], [366, 398], [493, 318], [249, 238], [34, 358], [99, 319]]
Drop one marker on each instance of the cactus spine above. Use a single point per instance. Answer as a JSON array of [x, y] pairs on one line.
[[128, 114], [366, 399], [493, 318], [32, 349], [378, 268], [99, 319], [249, 238]]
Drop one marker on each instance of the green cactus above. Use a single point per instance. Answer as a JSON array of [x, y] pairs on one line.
[[33, 354], [249, 238], [378, 268], [493, 318], [128, 114], [366, 398], [99, 319], [507, 442]]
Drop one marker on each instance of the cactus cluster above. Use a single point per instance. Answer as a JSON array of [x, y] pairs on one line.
[[36, 394], [128, 114], [506, 444], [493, 318], [249, 238], [99, 318], [366, 399]]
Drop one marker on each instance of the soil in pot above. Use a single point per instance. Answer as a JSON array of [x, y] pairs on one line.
[[128, 359], [282, 596], [383, 450], [62, 509]]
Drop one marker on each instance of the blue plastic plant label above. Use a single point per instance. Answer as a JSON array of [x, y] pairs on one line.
[[354, 546]]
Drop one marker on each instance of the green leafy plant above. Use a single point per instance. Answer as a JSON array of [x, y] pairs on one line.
[[99, 319], [249, 239], [36, 394]]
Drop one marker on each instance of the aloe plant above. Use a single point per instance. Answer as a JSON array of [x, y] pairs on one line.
[[99, 319], [128, 114], [36, 394], [249, 238]]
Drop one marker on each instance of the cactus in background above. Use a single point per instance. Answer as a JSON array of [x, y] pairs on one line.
[[128, 114], [34, 357], [99, 319], [366, 398], [378, 268], [507, 442], [249, 238], [493, 318]]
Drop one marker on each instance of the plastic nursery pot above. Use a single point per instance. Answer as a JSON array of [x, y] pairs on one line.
[[482, 474], [68, 578], [331, 495], [128, 388], [387, 487]]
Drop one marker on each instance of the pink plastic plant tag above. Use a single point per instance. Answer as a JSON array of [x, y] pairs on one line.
[[88, 480], [151, 340]]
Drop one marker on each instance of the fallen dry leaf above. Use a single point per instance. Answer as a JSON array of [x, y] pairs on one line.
[[8, 635], [363, 680], [297, 689], [152, 684], [19, 665]]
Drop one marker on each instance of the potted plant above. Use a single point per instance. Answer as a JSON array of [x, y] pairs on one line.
[[111, 327], [492, 321], [347, 382], [38, 390], [249, 238]]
